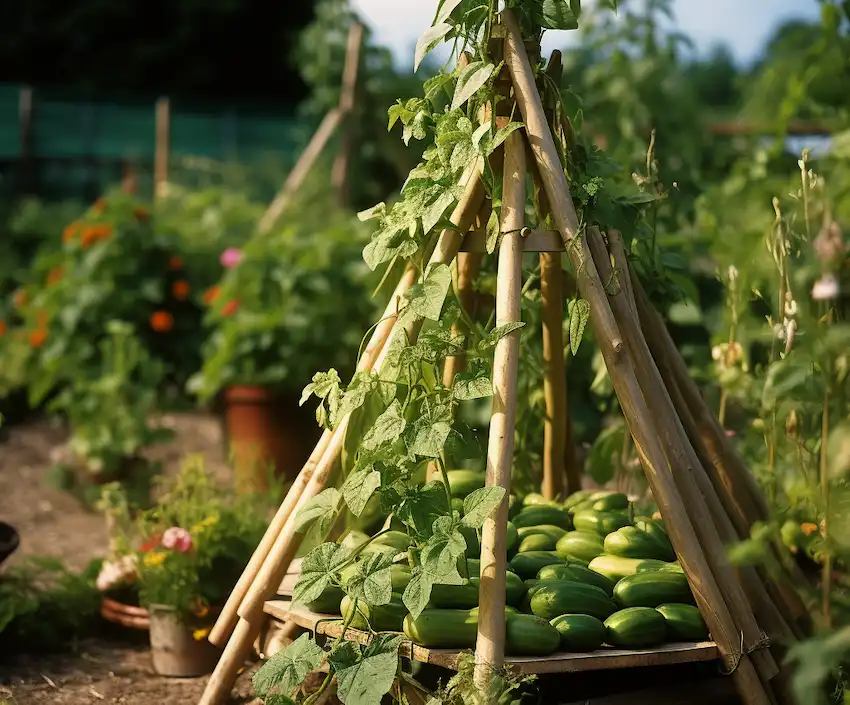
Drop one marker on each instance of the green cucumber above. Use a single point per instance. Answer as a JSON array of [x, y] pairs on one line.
[[600, 523], [511, 536], [581, 546], [652, 589], [527, 565], [391, 541], [536, 516], [328, 602], [354, 539], [579, 632], [457, 505], [576, 574], [473, 545], [466, 596], [635, 628], [464, 482], [556, 532], [576, 498], [536, 500], [631, 542], [382, 618], [684, 622], [528, 635], [615, 568], [443, 629], [537, 542], [400, 576], [555, 599], [615, 500]]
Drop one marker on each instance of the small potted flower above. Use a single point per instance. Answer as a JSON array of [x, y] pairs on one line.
[[291, 301]]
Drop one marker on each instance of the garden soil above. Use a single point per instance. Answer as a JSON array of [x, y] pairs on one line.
[[52, 522]]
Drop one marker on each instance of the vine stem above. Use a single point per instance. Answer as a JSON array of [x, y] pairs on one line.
[[826, 578], [325, 683]]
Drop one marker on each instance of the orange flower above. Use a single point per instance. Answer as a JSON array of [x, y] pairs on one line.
[[162, 321], [94, 233], [42, 320], [175, 263], [181, 289], [199, 609], [140, 213], [808, 528], [230, 307], [211, 294], [3, 328], [20, 298], [70, 232], [99, 206], [55, 275], [38, 338]]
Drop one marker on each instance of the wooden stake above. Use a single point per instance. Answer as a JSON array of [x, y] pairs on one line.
[[299, 172], [339, 172], [162, 147], [228, 617], [622, 372], [490, 645], [27, 169]]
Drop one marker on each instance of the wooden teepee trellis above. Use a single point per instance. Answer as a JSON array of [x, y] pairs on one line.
[[705, 494]]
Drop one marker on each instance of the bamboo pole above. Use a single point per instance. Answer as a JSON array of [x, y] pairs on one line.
[[227, 619], [286, 544], [348, 96], [708, 517], [638, 415], [162, 146], [468, 266], [490, 644]]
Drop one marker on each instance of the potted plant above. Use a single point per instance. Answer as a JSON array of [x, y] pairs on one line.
[[289, 300]]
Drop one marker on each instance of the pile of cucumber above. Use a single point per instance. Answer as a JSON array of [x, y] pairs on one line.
[[580, 574]]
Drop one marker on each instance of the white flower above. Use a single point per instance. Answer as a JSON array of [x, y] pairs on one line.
[[825, 288], [115, 572], [732, 272]]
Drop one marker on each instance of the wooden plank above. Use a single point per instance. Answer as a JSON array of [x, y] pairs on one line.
[[609, 658], [532, 241]]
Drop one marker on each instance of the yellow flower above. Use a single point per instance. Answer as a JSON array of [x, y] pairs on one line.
[[205, 524], [154, 558], [201, 634]]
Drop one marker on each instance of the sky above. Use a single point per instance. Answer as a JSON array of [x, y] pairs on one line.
[[744, 25]]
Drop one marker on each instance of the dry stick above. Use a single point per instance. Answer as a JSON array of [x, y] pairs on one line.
[[622, 373], [728, 473], [228, 617], [490, 644], [302, 167], [708, 516], [339, 172]]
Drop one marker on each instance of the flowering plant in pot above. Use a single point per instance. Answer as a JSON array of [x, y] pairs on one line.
[[290, 299]]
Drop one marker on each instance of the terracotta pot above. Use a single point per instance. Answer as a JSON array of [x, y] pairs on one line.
[[268, 435], [129, 616], [174, 649], [9, 540]]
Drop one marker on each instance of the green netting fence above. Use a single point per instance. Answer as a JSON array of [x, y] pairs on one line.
[[77, 148]]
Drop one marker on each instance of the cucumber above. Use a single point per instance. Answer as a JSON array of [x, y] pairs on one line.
[[400, 576], [535, 500], [576, 574], [354, 539], [527, 635], [464, 482], [466, 596], [615, 568], [579, 632], [382, 618], [535, 516], [394, 523], [457, 505], [527, 565], [635, 628], [443, 629], [474, 565], [576, 498], [631, 542], [684, 622], [537, 542], [556, 532], [615, 500], [395, 541], [554, 599], [511, 537], [652, 589], [600, 523], [531, 587], [581, 546], [328, 602], [473, 545], [656, 530]]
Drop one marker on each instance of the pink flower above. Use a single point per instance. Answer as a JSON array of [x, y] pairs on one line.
[[230, 257], [177, 539], [114, 573], [730, 433], [825, 288]]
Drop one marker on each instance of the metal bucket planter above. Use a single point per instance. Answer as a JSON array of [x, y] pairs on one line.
[[174, 649]]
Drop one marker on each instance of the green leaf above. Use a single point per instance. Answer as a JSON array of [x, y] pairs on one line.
[[371, 677], [419, 507], [480, 504], [318, 570], [288, 668], [556, 14], [358, 489], [579, 313], [425, 299], [471, 80], [472, 385], [495, 335], [417, 594], [446, 8], [379, 210], [430, 430], [575, 7], [439, 555], [430, 38], [435, 211], [373, 580], [324, 384], [493, 231], [387, 429], [322, 509], [604, 455]]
